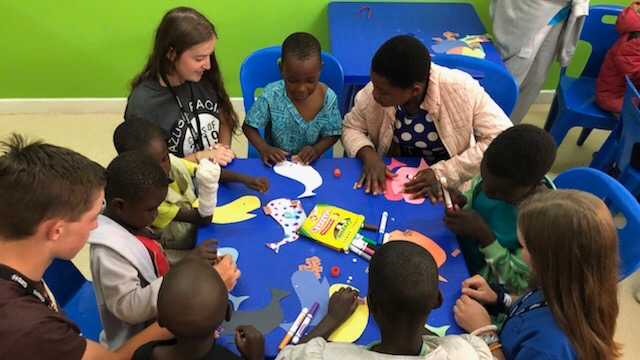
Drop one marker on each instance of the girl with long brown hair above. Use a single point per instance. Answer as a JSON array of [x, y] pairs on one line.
[[181, 89], [570, 243]]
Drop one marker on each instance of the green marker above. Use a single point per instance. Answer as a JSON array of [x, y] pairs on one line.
[[369, 241]]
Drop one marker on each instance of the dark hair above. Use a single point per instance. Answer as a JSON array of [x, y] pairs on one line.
[[402, 60], [133, 175], [301, 45], [523, 153], [181, 29], [403, 282], [39, 182], [136, 134]]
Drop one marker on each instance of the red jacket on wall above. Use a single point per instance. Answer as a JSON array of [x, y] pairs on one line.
[[622, 59]]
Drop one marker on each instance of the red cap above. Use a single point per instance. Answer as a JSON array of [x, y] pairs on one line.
[[336, 172], [335, 271]]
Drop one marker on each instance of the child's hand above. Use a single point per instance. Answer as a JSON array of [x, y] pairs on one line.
[[467, 222], [206, 251], [220, 154], [424, 185], [470, 314], [477, 288], [260, 184], [228, 270], [250, 342], [342, 304], [271, 154], [307, 155]]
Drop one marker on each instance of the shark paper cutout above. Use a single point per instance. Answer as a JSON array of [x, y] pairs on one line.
[[304, 174]]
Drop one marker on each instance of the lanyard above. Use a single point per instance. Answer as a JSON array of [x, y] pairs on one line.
[[8, 274], [517, 311], [196, 135]]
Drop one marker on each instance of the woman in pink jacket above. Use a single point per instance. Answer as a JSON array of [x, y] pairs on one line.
[[622, 59], [412, 108]]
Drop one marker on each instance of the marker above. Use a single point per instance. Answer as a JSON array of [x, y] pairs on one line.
[[294, 327], [360, 252], [368, 241], [382, 227], [362, 245], [445, 192], [305, 323]]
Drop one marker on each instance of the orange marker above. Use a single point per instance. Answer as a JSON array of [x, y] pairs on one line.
[[293, 329]]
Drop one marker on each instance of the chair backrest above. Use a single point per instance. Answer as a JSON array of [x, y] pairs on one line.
[[261, 68], [600, 35], [64, 280], [616, 197], [630, 121], [496, 80]]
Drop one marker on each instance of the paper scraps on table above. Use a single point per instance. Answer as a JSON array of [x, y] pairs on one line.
[[440, 331], [455, 252], [304, 174], [309, 290], [290, 215], [469, 45], [264, 320], [431, 246], [395, 185], [352, 329], [312, 264]]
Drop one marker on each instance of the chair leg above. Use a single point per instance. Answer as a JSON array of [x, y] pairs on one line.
[[583, 136], [605, 158], [559, 129], [553, 113], [631, 181]]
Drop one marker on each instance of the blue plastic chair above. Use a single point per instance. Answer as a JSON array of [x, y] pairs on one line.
[[618, 147], [75, 296], [495, 79], [616, 197], [574, 103], [261, 68]]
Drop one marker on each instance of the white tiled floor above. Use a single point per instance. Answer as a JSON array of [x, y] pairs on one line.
[[91, 135]]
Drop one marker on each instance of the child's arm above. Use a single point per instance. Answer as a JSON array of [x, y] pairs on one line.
[[260, 184], [192, 216], [341, 306], [507, 266], [121, 288], [628, 59], [267, 152], [309, 153]]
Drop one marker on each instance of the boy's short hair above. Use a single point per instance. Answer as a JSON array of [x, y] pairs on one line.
[[523, 153], [402, 60], [301, 45], [132, 176], [192, 300], [403, 281], [136, 134], [39, 182]]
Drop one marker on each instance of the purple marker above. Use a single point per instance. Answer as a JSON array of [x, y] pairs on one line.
[[305, 323]]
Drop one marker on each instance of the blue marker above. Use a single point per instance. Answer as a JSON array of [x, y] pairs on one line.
[[382, 228]]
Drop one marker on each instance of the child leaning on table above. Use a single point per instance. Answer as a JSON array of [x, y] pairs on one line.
[[299, 114], [485, 217], [127, 263], [204, 305], [177, 220], [403, 289]]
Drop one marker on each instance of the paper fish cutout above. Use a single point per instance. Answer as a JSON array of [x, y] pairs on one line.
[[440, 331], [304, 174], [290, 215], [265, 319], [236, 211], [352, 329], [309, 290], [395, 185], [415, 237]]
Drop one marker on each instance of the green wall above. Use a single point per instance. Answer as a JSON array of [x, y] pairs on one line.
[[67, 48]]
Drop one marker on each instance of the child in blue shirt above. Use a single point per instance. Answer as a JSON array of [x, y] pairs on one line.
[[485, 217], [299, 115]]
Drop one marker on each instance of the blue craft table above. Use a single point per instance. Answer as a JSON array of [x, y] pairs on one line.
[[358, 29], [262, 268]]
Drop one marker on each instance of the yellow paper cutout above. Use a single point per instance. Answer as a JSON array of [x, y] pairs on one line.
[[236, 211], [352, 329]]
